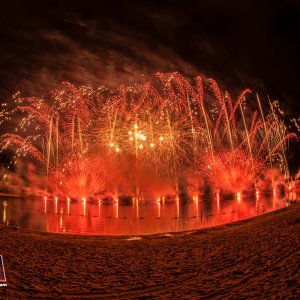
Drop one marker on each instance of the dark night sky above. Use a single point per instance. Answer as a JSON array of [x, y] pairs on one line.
[[241, 43]]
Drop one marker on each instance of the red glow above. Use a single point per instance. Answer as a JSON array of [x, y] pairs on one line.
[[145, 140], [93, 217]]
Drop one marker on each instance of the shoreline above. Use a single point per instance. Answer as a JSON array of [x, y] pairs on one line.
[[253, 258]]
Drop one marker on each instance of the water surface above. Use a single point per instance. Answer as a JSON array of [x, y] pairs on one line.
[[135, 218]]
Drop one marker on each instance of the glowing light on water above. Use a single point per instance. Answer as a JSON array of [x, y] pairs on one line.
[[158, 209], [177, 207], [4, 211], [61, 217], [56, 199], [257, 195], [197, 205], [117, 209], [84, 207], [239, 197], [137, 209], [45, 204], [68, 203]]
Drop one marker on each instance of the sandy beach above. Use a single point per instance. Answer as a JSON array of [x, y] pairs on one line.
[[257, 258]]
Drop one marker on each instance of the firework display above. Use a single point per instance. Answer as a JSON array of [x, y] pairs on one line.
[[145, 140]]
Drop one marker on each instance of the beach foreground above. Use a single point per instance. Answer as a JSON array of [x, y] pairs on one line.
[[257, 258]]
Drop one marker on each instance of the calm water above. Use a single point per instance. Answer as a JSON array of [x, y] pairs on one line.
[[136, 218]]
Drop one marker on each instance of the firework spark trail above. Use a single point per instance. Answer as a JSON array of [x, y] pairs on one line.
[[26, 146], [93, 142], [241, 97]]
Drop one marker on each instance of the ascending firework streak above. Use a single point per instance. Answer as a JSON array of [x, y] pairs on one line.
[[92, 142]]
